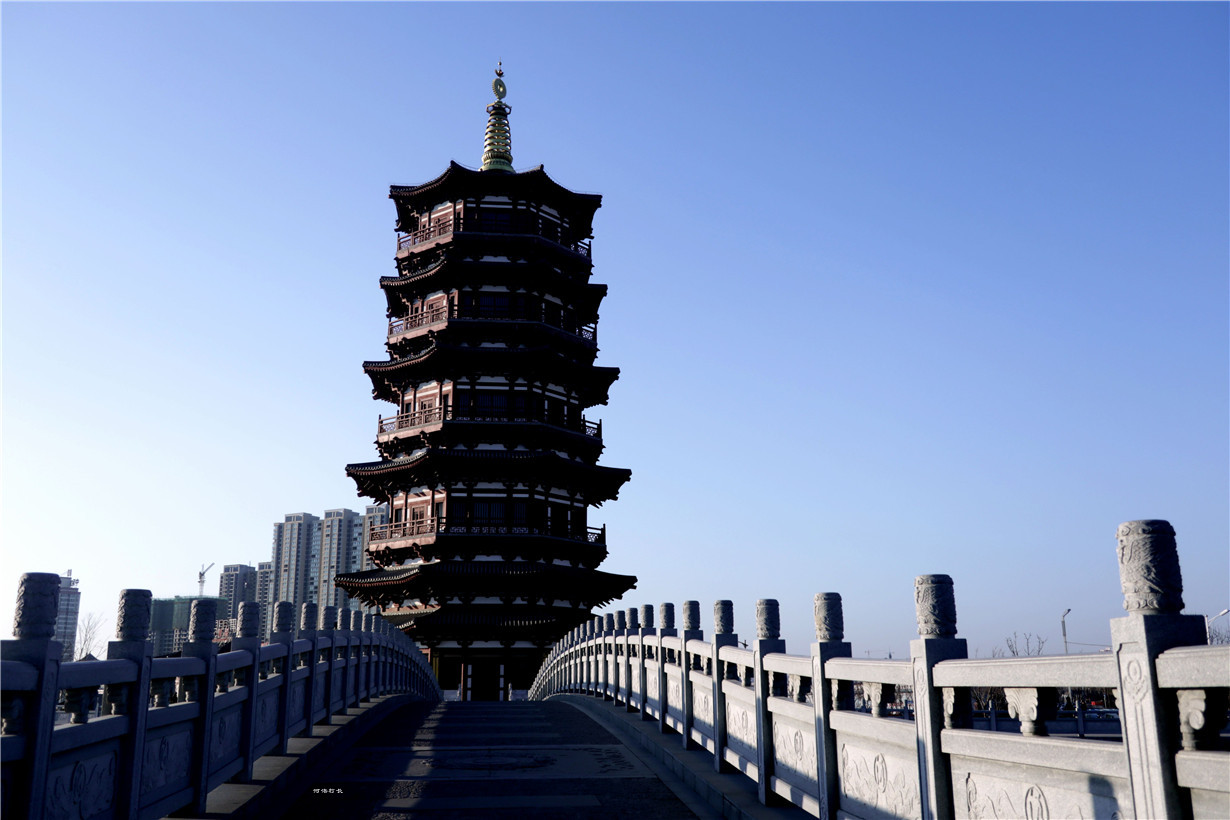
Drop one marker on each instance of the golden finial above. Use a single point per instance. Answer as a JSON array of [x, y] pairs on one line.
[[497, 146]]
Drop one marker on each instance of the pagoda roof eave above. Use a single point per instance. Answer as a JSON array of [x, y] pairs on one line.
[[433, 466], [438, 360], [457, 181]]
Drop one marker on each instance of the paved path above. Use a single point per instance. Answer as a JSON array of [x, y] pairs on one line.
[[541, 760]]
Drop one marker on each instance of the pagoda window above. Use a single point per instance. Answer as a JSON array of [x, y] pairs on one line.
[[492, 403]]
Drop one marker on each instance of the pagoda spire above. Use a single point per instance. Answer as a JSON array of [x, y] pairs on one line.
[[497, 144]]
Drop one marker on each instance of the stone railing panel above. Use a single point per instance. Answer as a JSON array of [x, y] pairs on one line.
[[149, 736], [895, 739]]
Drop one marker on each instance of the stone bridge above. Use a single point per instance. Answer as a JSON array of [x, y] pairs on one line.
[[627, 719]]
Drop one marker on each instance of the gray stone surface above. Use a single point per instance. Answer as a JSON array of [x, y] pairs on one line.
[[203, 619], [38, 597], [133, 615], [936, 606], [492, 760], [830, 624]]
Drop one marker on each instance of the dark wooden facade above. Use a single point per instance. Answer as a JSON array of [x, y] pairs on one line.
[[488, 461]]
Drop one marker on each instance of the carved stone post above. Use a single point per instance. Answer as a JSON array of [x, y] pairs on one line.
[[1153, 597], [667, 617], [283, 634], [33, 715], [768, 641], [596, 659], [332, 683], [830, 643], [248, 640], [202, 623], [609, 675], [347, 639], [723, 635], [308, 620], [936, 608], [691, 632], [649, 643], [619, 658], [131, 699], [635, 667]]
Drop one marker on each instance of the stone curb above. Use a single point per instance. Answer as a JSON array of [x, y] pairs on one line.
[[279, 780], [732, 796]]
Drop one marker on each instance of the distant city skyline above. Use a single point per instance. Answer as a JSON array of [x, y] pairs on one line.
[[894, 288]]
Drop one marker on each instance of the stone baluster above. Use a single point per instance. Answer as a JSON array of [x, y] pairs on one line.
[[248, 640], [202, 624], [936, 610], [687, 663], [344, 653], [768, 642], [32, 714], [329, 681], [309, 619], [666, 617], [622, 688], [608, 656], [129, 699], [830, 643], [1153, 597], [723, 636], [283, 634], [647, 645]]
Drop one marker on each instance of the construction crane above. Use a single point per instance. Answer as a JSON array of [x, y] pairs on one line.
[[200, 579]]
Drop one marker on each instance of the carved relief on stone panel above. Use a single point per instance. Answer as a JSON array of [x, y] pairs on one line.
[[981, 796], [869, 779], [674, 692], [702, 711], [224, 745], [741, 729], [794, 752], [296, 700], [166, 761], [266, 718], [82, 789]]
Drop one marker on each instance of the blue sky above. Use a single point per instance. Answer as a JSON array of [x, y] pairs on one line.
[[895, 289]]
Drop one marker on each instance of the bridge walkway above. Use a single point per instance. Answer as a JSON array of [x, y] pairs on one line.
[[568, 757]]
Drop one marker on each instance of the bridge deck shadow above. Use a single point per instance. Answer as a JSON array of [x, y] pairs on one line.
[[543, 760]]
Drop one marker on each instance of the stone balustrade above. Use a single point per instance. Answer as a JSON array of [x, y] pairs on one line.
[[821, 730], [172, 729]]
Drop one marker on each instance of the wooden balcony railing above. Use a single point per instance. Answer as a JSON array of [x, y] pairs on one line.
[[434, 415], [431, 526], [426, 317], [442, 313], [522, 224]]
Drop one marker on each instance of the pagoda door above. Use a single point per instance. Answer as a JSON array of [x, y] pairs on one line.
[[484, 680]]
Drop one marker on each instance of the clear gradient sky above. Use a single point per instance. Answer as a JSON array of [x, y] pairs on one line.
[[895, 289]]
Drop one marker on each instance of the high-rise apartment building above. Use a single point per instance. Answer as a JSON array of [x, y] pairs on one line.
[[338, 548], [67, 614], [236, 584], [264, 595], [308, 552], [292, 557]]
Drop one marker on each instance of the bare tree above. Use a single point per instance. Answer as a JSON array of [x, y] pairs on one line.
[[91, 634], [1030, 646], [1219, 635]]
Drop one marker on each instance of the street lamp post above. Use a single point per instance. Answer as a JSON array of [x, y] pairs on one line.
[[1208, 622], [1063, 627]]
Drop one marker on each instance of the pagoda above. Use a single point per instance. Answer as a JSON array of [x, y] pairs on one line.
[[487, 463]]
